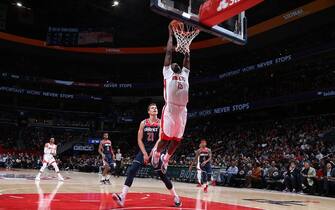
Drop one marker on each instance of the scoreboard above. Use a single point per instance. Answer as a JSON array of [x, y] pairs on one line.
[[71, 37], [62, 36]]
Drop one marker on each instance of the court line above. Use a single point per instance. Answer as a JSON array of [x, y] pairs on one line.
[[89, 201], [155, 207], [12, 196]]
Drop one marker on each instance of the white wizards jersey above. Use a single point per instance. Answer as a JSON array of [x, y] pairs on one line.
[[50, 148], [176, 86]]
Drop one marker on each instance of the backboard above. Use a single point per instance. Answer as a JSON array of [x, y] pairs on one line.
[[187, 11]]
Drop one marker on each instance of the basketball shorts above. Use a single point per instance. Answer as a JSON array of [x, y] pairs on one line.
[[48, 158], [173, 122], [206, 168], [109, 161]]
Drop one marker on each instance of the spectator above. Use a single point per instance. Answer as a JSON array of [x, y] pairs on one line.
[[255, 179], [329, 179], [273, 176], [308, 174], [292, 179], [231, 173], [272, 169]]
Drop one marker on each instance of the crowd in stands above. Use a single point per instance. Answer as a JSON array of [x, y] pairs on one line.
[[295, 155], [88, 163], [20, 160]]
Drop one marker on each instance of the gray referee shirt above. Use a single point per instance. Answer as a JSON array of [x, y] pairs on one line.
[[118, 156]]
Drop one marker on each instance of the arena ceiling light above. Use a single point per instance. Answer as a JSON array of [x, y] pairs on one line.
[[115, 3], [19, 4]]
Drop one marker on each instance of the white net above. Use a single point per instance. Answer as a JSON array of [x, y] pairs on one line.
[[184, 35]]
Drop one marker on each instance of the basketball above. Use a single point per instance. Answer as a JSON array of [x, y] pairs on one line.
[[176, 23]]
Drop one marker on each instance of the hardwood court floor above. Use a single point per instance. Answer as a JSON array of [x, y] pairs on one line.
[[18, 190]]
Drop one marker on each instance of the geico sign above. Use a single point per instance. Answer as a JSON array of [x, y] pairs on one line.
[[83, 147], [224, 4]]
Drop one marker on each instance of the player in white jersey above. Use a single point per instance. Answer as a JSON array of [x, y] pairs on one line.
[[174, 114], [50, 150]]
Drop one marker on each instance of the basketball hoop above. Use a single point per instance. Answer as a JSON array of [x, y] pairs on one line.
[[184, 35]]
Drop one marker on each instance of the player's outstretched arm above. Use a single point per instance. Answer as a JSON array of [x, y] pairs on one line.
[[187, 61], [169, 49]]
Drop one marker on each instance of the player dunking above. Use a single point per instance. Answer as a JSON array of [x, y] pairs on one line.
[[203, 157], [50, 150], [108, 157], [174, 114], [148, 134]]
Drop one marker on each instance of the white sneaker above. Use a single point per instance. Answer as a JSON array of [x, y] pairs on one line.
[[177, 201], [119, 199]]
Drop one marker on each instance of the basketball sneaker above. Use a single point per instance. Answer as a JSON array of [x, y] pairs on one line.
[[60, 177], [164, 164], [102, 182], [107, 182], [206, 189], [177, 201], [118, 199], [286, 190]]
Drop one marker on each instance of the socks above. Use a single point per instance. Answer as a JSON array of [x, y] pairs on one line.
[[167, 157], [124, 191], [43, 167], [173, 192], [156, 156], [199, 176]]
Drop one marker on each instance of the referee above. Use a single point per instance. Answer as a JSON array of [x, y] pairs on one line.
[[118, 158]]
